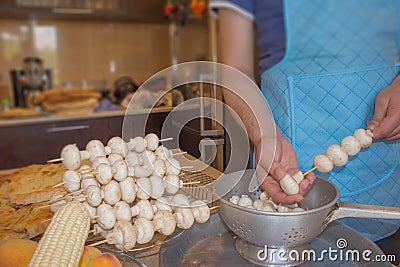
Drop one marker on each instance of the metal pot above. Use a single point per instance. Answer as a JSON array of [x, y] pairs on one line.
[[288, 229]]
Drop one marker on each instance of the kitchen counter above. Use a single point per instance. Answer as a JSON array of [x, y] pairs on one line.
[[59, 118]]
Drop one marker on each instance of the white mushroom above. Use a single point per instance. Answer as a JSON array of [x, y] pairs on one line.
[[258, 203], [157, 187], [104, 174], [264, 195], [201, 211], [100, 160], [106, 217], [112, 158], [143, 209], [148, 157], [163, 204], [234, 199], [128, 190], [267, 206], [289, 185], [282, 208], [337, 154], [184, 218], [297, 209], [122, 211], [152, 141], [351, 145], [124, 235], [131, 144], [95, 149], [245, 201], [173, 166], [140, 144], [112, 193], [364, 136], [117, 146], [72, 181], [121, 170], [144, 188], [323, 163], [164, 222], [142, 171], [71, 157], [145, 230], [159, 168], [94, 195], [172, 183], [55, 202], [163, 153], [132, 159], [85, 183], [91, 210], [180, 200], [298, 177]]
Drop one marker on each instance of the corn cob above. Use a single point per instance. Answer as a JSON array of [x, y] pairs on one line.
[[63, 242]]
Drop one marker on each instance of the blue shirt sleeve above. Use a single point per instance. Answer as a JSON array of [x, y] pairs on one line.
[[243, 7]]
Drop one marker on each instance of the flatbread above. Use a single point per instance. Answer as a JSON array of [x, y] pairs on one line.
[[32, 184]]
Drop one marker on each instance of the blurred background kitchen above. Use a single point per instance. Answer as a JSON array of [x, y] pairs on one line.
[[68, 68]]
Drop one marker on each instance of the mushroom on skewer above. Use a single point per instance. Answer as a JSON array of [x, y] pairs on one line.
[[106, 216], [123, 236], [128, 190], [164, 222]]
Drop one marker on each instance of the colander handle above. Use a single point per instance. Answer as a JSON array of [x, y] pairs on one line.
[[345, 209]]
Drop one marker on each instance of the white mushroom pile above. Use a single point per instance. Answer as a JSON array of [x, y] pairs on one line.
[[264, 203], [130, 189], [337, 155]]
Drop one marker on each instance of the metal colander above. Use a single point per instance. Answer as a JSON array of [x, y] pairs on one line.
[[288, 229]]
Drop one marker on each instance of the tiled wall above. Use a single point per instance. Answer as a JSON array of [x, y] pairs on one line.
[[84, 50]]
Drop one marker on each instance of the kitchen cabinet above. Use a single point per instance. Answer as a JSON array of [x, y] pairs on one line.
[[38, 140]]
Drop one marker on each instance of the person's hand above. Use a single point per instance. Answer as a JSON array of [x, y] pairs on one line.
[[285, 161], [386, 120]]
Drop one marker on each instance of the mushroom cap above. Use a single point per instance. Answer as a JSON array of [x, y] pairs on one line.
[[85, 183], [71, 157], [173, 166], [112, 193], [351, 145], [163, 153], [145, 230], [184, 218], [159, 168], [337, 154], [121, 170], [258, 203], [140, 144], [264, 195], [144, 188], [128, 190], [107, 218], [245, 201], [105, 173], [201, 211], [164, 222], [152, 141], [142, 171], [162, 203], [72, 181], [234, 199], [148, 157], [145, 209], [114, 157], [117, 146], [122, 211], [172, 184], [364, 136], [324, 164], [157, 187], [99, 160], [129, 234], [93, 194], [180, 200], [132, 159], [91, 210], [96, 149], [289, 185]]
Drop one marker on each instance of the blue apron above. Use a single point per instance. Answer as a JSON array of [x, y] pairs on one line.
[[339, 55]]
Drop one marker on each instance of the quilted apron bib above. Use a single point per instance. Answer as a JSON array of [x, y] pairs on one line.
[[339, 55]]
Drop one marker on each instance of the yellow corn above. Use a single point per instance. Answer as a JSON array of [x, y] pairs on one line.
[[63, 242]]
